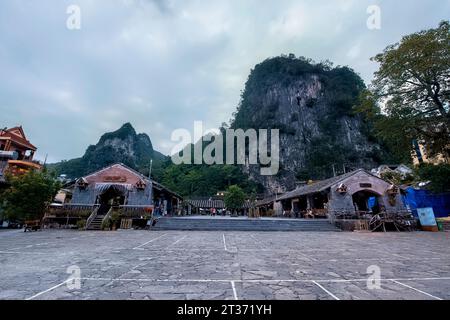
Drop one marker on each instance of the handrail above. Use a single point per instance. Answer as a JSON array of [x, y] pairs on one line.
[[108, 215], [91, 217]]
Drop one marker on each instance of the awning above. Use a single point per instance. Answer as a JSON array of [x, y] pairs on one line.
[[120, 187]]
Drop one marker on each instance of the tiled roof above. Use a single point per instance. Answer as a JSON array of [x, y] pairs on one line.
[[213, 203], [137, 174], [267, 201], [18, 138], [217, 204], [319, 186]]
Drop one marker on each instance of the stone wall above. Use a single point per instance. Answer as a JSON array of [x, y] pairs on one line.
[[354, 184]]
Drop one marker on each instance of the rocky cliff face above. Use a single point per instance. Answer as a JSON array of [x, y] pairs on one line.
[[123, 145], [312, 106]]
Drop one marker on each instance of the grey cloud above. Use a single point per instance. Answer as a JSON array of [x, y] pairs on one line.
[[161, 65]]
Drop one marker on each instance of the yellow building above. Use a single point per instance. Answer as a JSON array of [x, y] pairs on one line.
[[420, 156]]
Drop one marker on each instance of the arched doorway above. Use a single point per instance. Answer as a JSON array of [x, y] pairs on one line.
[[367, 201], [111, 196]]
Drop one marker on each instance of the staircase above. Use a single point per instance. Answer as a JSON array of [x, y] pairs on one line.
[[96, 219], [96, 223], [240, 224]]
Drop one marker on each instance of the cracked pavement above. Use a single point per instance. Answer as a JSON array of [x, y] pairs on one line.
[[140, 265]]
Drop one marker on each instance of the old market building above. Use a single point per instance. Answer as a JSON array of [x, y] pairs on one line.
[[214, 206], [353, 193], [269, 207], [115, 189]]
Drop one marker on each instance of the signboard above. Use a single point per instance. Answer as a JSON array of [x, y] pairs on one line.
[[426, 216], [117, 179]]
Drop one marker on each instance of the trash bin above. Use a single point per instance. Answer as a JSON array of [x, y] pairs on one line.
[[440, 225]]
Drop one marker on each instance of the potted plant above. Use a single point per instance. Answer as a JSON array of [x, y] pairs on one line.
[[106, 225], [81, 224], [115, 219]]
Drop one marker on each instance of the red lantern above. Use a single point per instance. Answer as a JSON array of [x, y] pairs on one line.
[[148, 210]]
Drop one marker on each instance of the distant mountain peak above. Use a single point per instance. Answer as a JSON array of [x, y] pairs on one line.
[[126, 130], [121, 146], [312, 106]]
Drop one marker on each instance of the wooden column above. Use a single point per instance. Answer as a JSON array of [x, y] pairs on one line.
[[309, 202], [8, 145]]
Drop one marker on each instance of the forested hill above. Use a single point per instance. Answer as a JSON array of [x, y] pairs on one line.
[[313, 106], [123, 145]]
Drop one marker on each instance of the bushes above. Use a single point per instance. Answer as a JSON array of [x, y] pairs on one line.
[[115, 219], [106, 224], [81, 224], [28, 195]]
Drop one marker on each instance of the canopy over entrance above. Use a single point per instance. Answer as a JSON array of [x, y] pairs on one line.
[[118, 187]]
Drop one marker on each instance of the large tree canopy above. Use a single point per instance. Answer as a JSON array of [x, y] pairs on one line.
[[413, 83], [28, 195]]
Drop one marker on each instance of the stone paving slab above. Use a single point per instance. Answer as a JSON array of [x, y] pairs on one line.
[[223, 265]]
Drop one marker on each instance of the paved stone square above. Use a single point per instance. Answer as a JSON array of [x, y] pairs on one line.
[[223, 265]]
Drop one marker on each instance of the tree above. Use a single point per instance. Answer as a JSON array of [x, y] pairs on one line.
[[387, 130], [234, 198], [28, 195], [438, 175], [413, 83]]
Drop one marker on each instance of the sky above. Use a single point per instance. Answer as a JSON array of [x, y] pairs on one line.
[[163, 64]]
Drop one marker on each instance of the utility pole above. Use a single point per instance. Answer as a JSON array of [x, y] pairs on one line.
[[45, 162], [150, 170], [334, 171]]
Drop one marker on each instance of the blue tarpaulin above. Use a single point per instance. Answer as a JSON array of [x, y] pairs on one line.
[[426, 199], [372, 202]]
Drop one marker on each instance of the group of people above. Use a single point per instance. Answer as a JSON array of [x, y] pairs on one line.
[[160, 208]]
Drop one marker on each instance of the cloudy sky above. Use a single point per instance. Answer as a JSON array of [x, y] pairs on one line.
[[162, 64]]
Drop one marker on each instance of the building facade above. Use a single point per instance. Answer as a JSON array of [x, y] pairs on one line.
[[16, 153], [118, 189], [357, 192]]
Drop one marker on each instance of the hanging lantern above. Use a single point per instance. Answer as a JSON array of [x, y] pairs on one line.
[[141, 185], [148, 210], [82, 183], [342, 189]]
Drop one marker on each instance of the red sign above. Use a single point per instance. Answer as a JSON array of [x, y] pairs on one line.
[[115, 179]]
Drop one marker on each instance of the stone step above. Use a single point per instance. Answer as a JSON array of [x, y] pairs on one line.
[[96, 223], [243, 225]]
